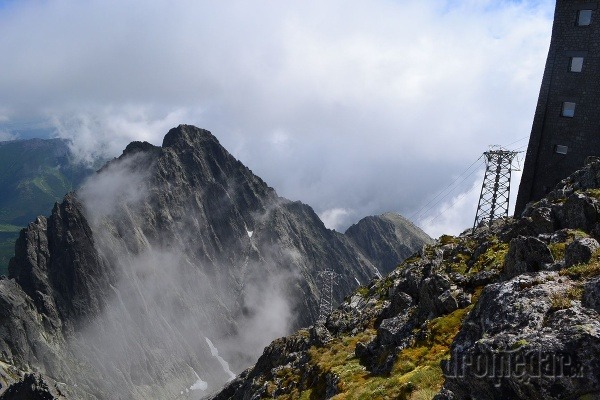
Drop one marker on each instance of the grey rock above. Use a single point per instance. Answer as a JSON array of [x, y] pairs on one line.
[[444, 394], [591, 294], [586, 178], [580, 251], [435, 297], [483, 278], [542, 220], [320, 335], [387, 239], [515, 323], [526, 254], [399, 302], [579, 212], [32, 387]]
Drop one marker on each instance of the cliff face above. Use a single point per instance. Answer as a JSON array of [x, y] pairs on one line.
[[169, 262], [510, 311]]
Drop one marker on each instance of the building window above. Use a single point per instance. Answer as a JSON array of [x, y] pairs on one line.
[[576, 64], [584, 17], [559, 149], [568, 109]]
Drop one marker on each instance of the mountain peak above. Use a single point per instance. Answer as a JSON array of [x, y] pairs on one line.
[[137, 146], [188, 136]]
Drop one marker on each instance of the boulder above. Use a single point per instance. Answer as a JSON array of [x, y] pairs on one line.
[[526, 254], [579, 212], [542, 220], [436, 297], [591, 294], [580, 251]]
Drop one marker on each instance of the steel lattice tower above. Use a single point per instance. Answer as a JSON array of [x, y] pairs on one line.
[[495, 191], [328, 280]]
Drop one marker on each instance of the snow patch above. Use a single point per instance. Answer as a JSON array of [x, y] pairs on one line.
[[200, 384], [224, 364], [250, 233]]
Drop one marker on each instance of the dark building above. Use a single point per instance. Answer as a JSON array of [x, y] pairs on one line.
[[566, 126]]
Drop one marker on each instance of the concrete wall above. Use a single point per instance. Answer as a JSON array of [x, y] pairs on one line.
[[544, 166]]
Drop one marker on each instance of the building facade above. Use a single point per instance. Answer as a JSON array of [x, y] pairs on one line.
[[566, 126]]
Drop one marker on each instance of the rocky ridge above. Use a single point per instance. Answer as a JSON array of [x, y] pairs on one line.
[[507, 311], [387, 238], [122, 291]]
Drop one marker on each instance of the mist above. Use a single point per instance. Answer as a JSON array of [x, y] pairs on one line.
[[168, 316]]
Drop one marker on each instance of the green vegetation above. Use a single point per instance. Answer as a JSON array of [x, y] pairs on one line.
[[579, 271], [461, 259], [7, 249], [416, 374], [558, 249], [447, 239], [593, 193], [563, 300], [7, 228], [519, 343], [492, 258]]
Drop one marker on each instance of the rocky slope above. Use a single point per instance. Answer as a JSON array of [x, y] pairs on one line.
[[387, 239], [170, 262], [505, 312]]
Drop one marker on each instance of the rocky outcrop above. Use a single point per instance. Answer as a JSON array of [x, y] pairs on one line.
[[580, 251], [57, 265], [32, 387], [532, 340], [387, 239], [370, 329], [526, 254]]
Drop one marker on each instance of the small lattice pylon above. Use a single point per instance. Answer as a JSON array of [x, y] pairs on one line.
[[495, 191], [328, 279]]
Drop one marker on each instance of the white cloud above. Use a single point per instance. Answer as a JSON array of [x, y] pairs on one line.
[[7, 136], [456, 214], [369, 106], [105, 131], [457, 210], [334, 218]]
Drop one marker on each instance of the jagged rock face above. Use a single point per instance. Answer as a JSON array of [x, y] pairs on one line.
[[388, 239], [124, 288]]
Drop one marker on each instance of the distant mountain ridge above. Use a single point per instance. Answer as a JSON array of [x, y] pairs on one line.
[[387, 239], [165, 255], [34, 174]]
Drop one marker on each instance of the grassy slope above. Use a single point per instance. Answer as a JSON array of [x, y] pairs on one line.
[[417, 373]]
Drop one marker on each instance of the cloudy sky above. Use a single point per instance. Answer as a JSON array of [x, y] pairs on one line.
[[354, 107]]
